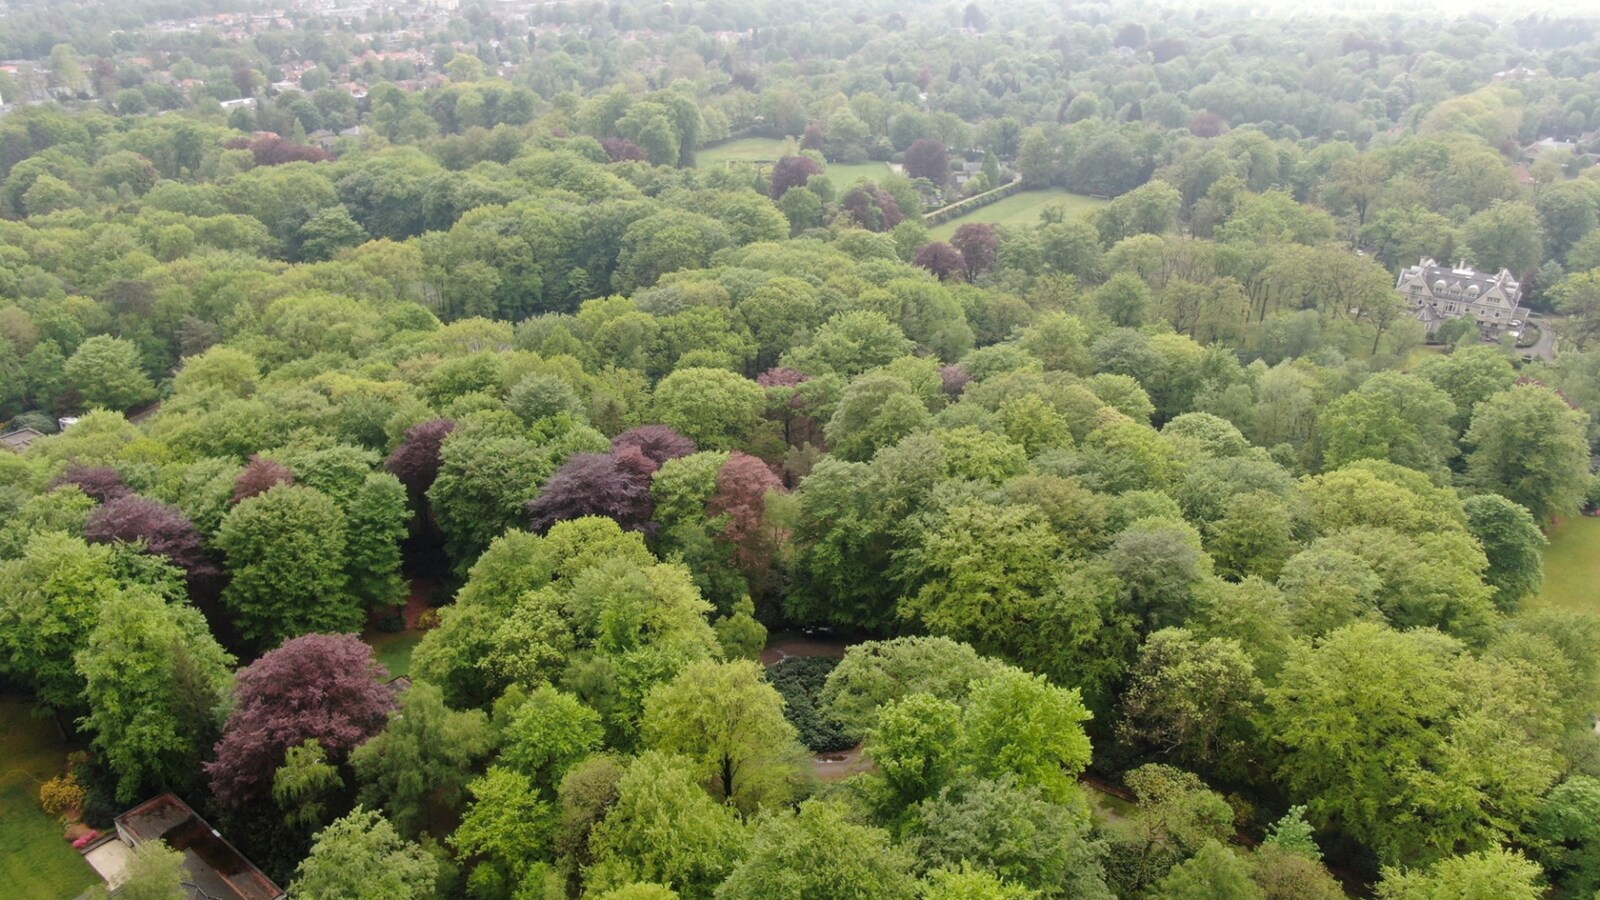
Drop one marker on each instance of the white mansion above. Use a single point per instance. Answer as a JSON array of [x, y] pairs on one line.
[[1436, 293]]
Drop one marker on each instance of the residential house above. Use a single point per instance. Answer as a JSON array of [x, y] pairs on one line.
[[1438, 293]]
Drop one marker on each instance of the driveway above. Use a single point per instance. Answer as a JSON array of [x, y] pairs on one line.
[[1545, 348]]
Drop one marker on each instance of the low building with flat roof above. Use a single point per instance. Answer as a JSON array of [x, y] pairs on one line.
[[216, 870]]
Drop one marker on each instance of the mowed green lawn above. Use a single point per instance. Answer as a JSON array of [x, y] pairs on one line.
[[767, 150], [394, 649], [35, 861], [1572, 567], [742, 150], [1020, 210]]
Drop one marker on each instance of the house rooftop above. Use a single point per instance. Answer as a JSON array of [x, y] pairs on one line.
[[19, 440], [215, 868]]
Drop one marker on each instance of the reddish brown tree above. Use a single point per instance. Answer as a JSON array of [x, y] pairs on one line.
[[103, 483], [928, 158], [813, 138], [742, 486], [979, 246], [954, 379], [1207, 124], [164, 530], [623, 150], [416, 461], [791, 172], [872, 207], [614, 485], [259, 476], [323, 686], [658, 443], [941, 259]]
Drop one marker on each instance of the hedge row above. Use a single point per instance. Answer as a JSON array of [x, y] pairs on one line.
[[978, 201]]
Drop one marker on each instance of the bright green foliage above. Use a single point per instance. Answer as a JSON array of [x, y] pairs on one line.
[[1400, 418], [65, 509], [1191, 700], [1255, 536], [1214, 872], [876, 673], [362, 857], [664, 828], [305, 785], [915, 745], [1469, 376], [980, 568], [155, 684], [155, 871], [547, 734], [714, 408], [1294, 834], [968, 883], [875, 411], [641, 890], [509, 827], [502, 627], [818, 853], [107, 372], [1529, 447], [1021, 724], [286, 553], [729, 721], [1496, 874], [50, 600], [416, 767], [1409, 746], [1012, 832]]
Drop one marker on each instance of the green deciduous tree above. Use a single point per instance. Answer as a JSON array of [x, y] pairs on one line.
[[1390, 736], [155, 683], [1528, 446], [729, 721], [1498, 873], [1400, 418], [818, 852], [714, 408], [286, 555], [665, 828], [1012, 832], [155, 871], [107, 372], [1190, 701], [417, 766], [1215, 871], [362, 856], [1512, 541], [509, 828]]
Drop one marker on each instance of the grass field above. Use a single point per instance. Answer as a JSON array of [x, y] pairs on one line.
[[1572, 567], [34, 859], [1020, 209], [394, 649], [767, 149]]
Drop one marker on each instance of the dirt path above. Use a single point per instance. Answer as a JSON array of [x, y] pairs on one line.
[[784, 645]]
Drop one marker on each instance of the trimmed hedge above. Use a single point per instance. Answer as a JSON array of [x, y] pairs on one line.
[[961, 207]]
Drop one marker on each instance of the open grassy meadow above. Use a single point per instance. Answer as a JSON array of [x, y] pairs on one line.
[[1020, 209], [767, 150], [1572, 567], [35, 861]]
